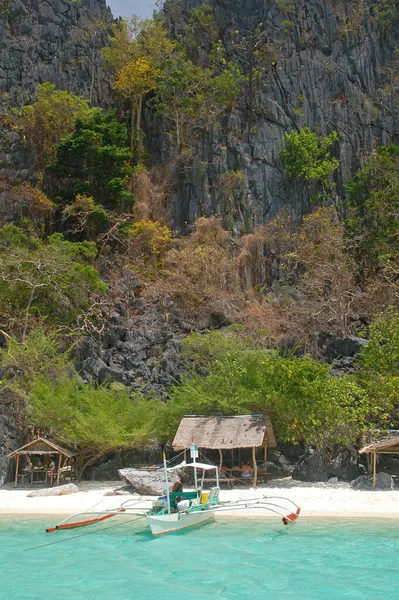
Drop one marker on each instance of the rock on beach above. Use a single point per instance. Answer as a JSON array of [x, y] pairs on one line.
[[61, 490]]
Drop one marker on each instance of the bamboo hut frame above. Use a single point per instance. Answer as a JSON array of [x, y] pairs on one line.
[[42, 447], [226, 433], [388, 445]]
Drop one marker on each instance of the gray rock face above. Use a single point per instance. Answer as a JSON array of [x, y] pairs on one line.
[[279, 465], [52, 40], [319, 75], [57, 41], [314, 466], [144, 482], [344, 353], [107, 468], [141, 343], [8, 439], [345, 347], [383, 482], [60, 490]]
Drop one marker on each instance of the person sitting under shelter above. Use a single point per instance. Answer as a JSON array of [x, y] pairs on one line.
[[246, 471], [52, 471]]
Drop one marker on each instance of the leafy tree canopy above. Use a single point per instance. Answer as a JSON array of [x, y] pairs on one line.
[[307, 156], [381, 355], [50, 279], [93, 420], [94, 161], [373, 208], [45, 121], [304, 402]]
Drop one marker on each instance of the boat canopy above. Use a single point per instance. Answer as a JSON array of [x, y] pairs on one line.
[[197, 465]]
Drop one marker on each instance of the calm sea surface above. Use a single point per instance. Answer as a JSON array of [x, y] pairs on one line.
[[226, 560]]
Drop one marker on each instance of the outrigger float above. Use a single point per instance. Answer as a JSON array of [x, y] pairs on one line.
[[183, 509]]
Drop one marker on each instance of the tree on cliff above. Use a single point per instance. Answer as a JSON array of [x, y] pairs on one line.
[[94, 161], [136, 54], [50, 279], [44, 122], [372, 216], [307, 157]]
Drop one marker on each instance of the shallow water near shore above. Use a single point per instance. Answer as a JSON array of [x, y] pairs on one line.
[[312, 559]]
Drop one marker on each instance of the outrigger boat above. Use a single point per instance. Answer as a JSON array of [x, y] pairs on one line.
[[179, 510]]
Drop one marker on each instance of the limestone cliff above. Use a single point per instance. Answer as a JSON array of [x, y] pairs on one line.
[[326, 66], [56, 41], [49, 40]]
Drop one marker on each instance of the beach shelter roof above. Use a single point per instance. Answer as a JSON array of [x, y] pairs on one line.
[[219, 432], [41, 446], [388, 445]]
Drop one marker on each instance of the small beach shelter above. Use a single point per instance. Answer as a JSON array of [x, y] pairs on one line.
[[216, 432], [42, 447], [388, 445]]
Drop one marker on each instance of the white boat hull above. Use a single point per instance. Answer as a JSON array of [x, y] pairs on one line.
[[161, 524]]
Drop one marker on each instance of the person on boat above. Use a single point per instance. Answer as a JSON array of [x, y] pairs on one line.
[[177, 486], [246, 471], [182, 503]]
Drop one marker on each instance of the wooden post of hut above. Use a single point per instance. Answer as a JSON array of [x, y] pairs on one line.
[[59, 468], [16, 471], [265, 457], [255, 466]]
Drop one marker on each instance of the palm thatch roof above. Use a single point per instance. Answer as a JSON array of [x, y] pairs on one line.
[[388, 445], [41, 446], [218, 432]]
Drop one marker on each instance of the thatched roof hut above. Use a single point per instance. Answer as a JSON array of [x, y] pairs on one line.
[[42, 447], [388, 445], [216, 432], [222, 433]]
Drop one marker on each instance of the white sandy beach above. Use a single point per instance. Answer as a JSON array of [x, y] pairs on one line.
[[315, 500]]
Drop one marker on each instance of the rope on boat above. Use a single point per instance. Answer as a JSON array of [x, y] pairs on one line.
[[74, 537]]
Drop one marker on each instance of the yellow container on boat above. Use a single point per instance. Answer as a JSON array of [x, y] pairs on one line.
[[204, 497]]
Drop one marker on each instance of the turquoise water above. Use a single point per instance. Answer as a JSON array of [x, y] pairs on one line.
[[226, 560]]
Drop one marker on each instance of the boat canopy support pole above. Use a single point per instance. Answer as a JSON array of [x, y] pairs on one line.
[[165, 470]]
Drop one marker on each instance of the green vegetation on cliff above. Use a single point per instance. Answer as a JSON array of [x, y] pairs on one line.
[[94, 161]]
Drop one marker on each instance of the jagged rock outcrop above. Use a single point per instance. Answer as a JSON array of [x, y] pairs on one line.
[[146, 482], [315, 466], [49, 40], [344, 353], [141, 343], [383, 481], [326, 66]]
